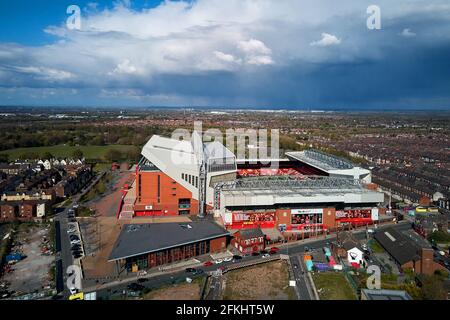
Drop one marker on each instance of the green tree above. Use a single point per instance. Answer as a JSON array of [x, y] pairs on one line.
[[133, 154], [47, 155], [4, 158], [433, 288]]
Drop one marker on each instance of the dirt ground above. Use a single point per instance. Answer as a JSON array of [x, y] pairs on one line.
[[268, 281], [32, 273], [95, 264], [100, 232], [185, 291]]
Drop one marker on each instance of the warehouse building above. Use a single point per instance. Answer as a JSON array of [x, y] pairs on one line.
[[409, 251], [145, 246]]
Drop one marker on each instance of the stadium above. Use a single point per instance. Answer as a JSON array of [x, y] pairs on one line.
[[307, 191]]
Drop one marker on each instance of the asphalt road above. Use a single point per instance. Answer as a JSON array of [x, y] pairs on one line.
[[301, 281], [64, 257]]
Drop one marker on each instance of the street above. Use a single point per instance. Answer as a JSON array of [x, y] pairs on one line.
[[64, 257], [104, 291]]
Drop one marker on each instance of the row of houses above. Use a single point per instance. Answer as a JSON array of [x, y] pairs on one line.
[[24, 205], [23, 210], [19, 167], [77, 178], [51, 163], [51, 185]]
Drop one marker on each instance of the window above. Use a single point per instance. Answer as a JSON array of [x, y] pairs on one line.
[[182, 176], [159, 188], [196, 182]]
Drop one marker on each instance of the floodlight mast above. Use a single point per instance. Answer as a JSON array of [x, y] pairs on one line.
[[197, 143]]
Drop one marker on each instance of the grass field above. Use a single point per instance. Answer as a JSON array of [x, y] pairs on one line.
[[375, 246], [63, 151], [268, 281], [333, 286]]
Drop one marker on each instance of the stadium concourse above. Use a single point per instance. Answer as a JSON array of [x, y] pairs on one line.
[[307, 193]]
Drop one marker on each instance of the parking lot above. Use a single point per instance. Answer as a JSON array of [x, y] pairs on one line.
[[74, 234]]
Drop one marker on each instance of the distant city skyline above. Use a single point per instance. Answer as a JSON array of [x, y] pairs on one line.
[[308, 55]]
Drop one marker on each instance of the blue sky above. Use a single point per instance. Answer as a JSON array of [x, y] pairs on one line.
[[234, 53]]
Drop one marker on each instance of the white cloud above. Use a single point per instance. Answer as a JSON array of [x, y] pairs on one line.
[[125, 67], [226, 57], [326, 41], [407, 33], [260, 60], [253, 47], [256, 52], [124, 47], [43, 73]]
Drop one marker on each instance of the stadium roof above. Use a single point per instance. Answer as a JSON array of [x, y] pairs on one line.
[[282, 183], [138, 239], [191, 149], [321, 160]]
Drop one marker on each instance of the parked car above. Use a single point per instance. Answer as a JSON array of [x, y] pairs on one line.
[[198, 271], [218, 261], [265, 255], [75, 241], [228, 259], [208, 263], [190, 270], [135, 287], [255, 254], [295, 266], [74, 237], [73, 290], [263, 252]]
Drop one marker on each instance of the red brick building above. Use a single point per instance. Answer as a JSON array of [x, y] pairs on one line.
[[159, 195], [9, 212], [27, 211], [248, 240]]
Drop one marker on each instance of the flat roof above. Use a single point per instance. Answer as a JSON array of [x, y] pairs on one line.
[[138, 239], [386, 294]]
